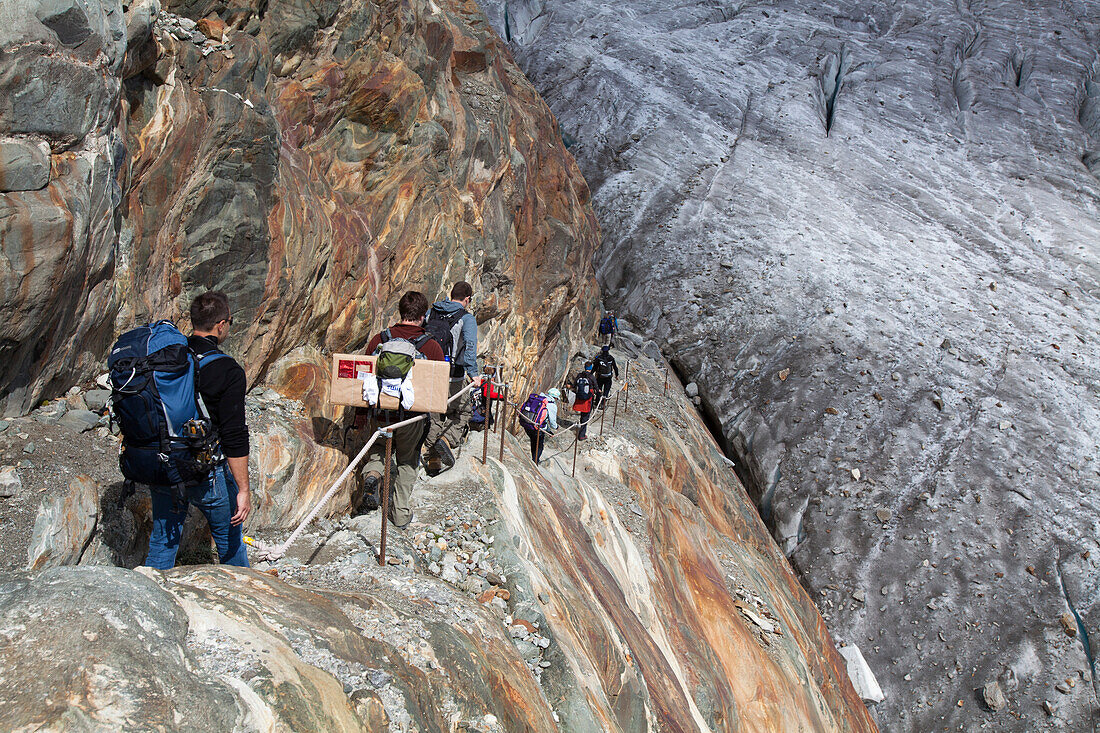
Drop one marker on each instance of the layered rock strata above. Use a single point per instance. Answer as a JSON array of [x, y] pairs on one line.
[[312, 160], [869, 234], [317, 160]]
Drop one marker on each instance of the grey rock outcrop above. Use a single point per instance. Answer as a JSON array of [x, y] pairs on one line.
[[135, 633], [59, 163], [869, 233], [210, 649], [24, 166]]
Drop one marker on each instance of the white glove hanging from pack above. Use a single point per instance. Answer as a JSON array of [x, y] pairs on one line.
[[370, 389], [407, 397]]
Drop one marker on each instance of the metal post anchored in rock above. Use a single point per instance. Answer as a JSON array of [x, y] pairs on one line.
[[385, 497], [485, 430], [665, 390], [615, 415], [503, 414], [603, 413], [515, 412], [576, 442], [626, 386]]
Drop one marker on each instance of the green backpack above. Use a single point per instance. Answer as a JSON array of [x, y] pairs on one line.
[[396, 355]]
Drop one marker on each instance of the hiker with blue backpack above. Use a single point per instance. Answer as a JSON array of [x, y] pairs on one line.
[[609, 326], [452, 325], [396, 346], [179, 403], [538, 416]]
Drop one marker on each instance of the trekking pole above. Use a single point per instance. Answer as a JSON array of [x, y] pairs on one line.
[[385, 498], [503, 415]]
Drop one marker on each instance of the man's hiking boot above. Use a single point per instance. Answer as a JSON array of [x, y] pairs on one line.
[[370, 498], [443, 450]]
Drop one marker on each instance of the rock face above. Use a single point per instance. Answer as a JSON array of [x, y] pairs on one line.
[[869, 235], [643, 594], [60, 155], [315, 160], [312, 160]]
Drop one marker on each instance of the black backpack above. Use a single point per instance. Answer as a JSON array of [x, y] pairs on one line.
[[446, 328], [584, 388], [605, 365]]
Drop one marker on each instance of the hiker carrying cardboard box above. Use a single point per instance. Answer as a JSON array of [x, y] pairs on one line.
[[407, 336]]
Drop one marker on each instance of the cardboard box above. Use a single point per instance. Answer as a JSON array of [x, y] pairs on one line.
[[431, 382]]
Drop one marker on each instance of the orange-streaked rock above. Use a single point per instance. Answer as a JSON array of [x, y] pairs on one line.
[[399, 148]]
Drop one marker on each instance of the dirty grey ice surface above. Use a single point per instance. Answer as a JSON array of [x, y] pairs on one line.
[[870, 233]]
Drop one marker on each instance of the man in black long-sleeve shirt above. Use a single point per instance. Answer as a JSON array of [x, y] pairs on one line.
[[224, 496], [605, 368]]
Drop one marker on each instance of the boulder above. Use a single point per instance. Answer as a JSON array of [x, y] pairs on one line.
[[24, 165], [96, 399], [859, 672], [10, 483], [66, 18], [51, 414], [994, 696], [213, 649], [79, 421], [64, 526]]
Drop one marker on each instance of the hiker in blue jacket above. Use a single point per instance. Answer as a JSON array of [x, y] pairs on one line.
[[609, 326], [453, 325]]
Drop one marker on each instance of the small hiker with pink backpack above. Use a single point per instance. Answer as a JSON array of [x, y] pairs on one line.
[[539, 415]]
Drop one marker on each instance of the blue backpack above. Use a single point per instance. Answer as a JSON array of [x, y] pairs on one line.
[[607, 325], [168, 437]]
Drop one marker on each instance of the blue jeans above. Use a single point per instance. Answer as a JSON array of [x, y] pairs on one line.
[[217, 499]]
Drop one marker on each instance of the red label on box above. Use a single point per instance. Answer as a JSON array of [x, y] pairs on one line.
[[348, 369]]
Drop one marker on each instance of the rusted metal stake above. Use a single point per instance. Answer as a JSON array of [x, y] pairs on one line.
[[615, 415], [626, 384], [603, 416], [503, 415], [385, 499], [512, 424], [665, 390], [576, 442], [485, 437]]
